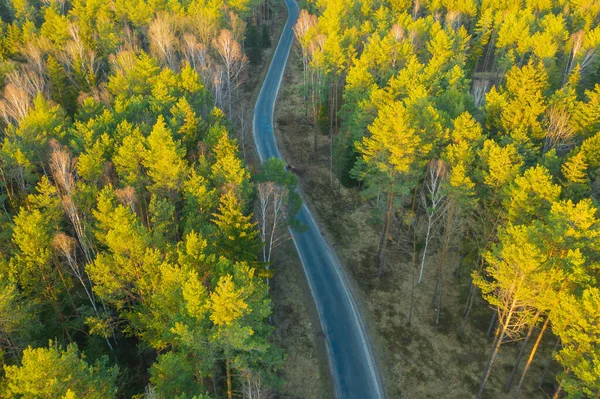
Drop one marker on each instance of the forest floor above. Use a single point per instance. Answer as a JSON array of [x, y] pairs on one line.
[[305, 374], [422, 360]]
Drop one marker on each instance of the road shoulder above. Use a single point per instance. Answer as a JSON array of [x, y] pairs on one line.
[[305, 374]]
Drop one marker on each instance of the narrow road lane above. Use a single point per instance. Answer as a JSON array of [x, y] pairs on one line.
[[351, 360]]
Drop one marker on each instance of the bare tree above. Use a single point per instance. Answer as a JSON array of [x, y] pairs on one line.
[[451, 229], [316, 80], [306, 22], [398, 33], [271, 217], [130, 40], [218, 85], [123, 61], [234, 62], [238, 26], [576, 45], [407, 244], [205, 23], [433, 200], [15, 104], [79, 61], [583, 51], [163, 41], [128, 198], [65, 245], [453, 18], [253, 387], [416, 8], [513, 287], [27, 79], [63, 172], [150, 393], [35, 57], [559, 129], [60, 3], [196, 54]]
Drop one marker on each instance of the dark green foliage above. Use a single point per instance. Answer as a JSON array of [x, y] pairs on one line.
[[265, 37], [61, 91], [253, 45]]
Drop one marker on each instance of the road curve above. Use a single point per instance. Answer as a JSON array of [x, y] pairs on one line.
[[354, 370]]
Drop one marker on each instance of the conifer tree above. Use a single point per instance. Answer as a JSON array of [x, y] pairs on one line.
[[388, 155], [237, 235], [56, 373], [164, 159]]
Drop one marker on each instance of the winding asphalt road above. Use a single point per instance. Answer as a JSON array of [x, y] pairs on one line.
[[351, 360]]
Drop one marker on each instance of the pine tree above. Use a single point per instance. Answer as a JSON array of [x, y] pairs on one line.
[[389, 155], [237, 236], [164, 159], [50, 373], [513, 270], [577, 324], [60, 89]]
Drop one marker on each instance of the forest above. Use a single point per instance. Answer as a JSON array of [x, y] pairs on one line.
[[471, 128], [130, 261]]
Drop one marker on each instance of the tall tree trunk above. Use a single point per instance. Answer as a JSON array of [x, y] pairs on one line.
[[414, 260], [470, 299], [521, 352], [425, 250], [331, 157], [228, 372], [446, 244], [492, 323], [380, 257], [214, 383], [441, 287], [463, 253], [500, 333], [468, 307], [335, 103], [314, 108], [549, 362], [531, 356], [560, 388], [412, 281], [331, 113], [491, 358]]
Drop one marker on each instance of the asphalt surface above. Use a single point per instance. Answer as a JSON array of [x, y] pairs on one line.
[[351, 361]]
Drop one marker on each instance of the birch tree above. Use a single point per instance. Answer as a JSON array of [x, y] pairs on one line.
[[163, 41], [234, 62], [63, 172], [303, 32], [433, 200], [278, 203], [271, 213], [14, 105]]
